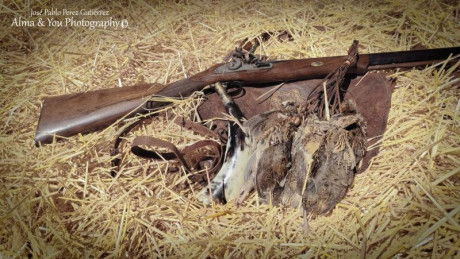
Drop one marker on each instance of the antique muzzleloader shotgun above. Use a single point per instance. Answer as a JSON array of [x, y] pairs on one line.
[[67, 115]]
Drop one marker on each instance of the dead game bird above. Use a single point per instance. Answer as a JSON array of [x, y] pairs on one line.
[[267, 135], [325, 155], [271, 138], [300, 155], [313, 165]]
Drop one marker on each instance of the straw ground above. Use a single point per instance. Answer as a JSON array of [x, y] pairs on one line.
[[59, 200]]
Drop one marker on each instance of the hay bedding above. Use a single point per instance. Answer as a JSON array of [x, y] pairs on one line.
[[59, 200]]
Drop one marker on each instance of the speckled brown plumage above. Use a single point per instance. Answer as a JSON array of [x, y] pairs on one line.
[[271, 135], [338, 145], [314, 164]]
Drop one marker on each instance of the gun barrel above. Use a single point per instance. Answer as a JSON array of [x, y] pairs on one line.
[[411, 58]]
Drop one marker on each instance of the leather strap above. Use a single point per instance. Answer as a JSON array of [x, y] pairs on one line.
[[333, 82], [115, 150], [203, 154], [191, 157], [196, 128], [155, 143]]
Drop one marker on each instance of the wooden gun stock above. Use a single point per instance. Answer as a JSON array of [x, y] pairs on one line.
[[67, 115]]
